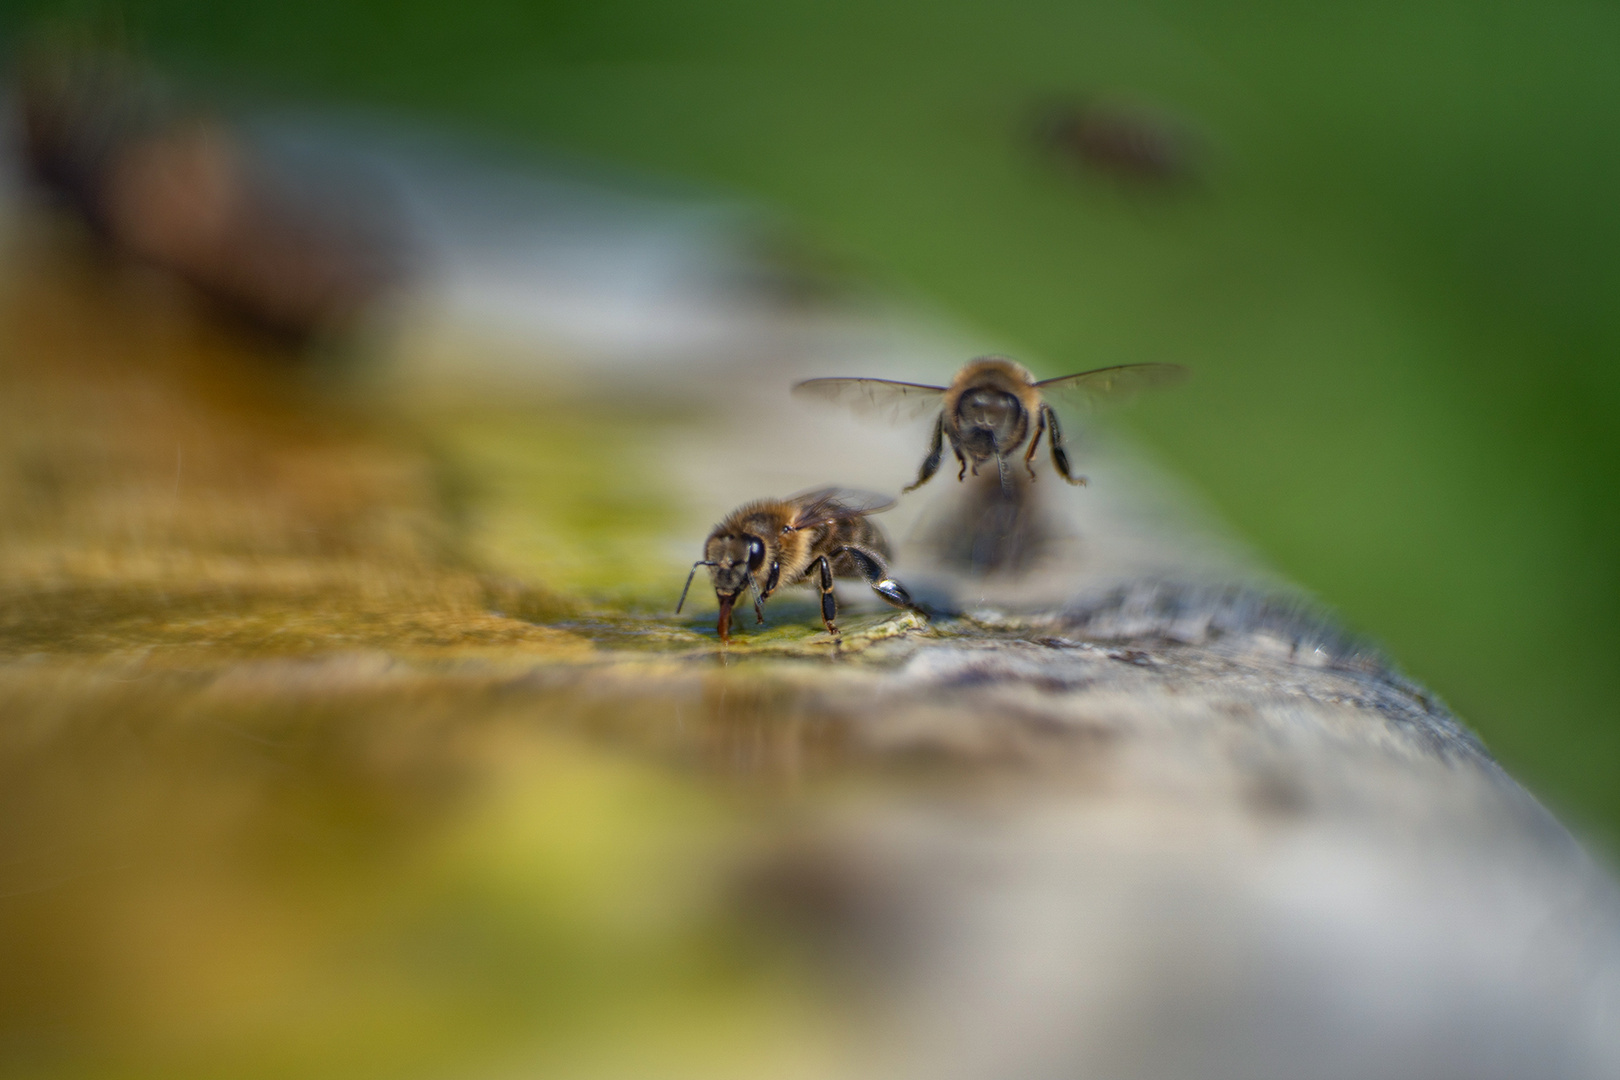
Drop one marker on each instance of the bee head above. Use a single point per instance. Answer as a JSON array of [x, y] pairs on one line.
[[732, 558], [989, 416]]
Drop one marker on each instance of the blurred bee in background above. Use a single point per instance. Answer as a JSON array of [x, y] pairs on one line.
[[1136, 147], [989, 409], [290, 252], [772, 543]]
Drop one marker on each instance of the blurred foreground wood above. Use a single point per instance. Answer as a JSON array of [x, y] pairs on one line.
[[293, 784]]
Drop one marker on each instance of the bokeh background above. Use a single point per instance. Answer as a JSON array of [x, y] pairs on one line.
[[1388, 244]]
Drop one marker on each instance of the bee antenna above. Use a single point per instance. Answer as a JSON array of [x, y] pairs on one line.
[[759, 604], [682, 602]]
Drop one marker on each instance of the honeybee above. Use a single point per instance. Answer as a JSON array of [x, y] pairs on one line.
[[811, 537], [986, 412], [1135, 146]]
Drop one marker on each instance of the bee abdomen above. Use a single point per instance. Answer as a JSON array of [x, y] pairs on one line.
[[859, 533]]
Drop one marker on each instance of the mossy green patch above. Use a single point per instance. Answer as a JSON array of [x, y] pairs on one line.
[[305, 768], [565, 493]]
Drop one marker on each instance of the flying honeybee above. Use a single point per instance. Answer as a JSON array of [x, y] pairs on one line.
[[1141, 148], [989, 408], [766, 545]]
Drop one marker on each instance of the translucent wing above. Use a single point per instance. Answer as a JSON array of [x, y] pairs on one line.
[[1111, 384], [827, 505], [879, 399]]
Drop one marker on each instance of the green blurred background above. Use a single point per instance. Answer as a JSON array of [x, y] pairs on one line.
[[1397, 283]]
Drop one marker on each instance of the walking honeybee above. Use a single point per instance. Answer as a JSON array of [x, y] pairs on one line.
[[766, 545], [986, 411]]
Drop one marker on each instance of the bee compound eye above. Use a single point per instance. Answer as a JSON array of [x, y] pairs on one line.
[[756, 552]]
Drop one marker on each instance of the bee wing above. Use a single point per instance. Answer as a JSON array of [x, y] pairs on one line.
[[824, 506], [883, 399], [1111, 384]]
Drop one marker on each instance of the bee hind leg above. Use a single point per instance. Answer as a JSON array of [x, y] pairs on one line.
[[871, 567], [829, 602], [1060, 457]]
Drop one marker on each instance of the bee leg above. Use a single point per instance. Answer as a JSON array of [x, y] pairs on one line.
[[759, 601], [930, 464], [870, 565], [1040, 429], [1060, 459], [829, 603]]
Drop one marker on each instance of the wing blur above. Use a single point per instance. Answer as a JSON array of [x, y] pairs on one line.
[[824, 506], [879, 399], [1111, 384]]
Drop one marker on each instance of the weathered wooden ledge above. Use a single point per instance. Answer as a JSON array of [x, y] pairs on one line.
[[284, 723]]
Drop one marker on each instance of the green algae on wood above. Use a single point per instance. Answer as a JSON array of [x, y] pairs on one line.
[[260, 818]]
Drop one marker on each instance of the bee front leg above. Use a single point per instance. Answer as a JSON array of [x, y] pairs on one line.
[[1040, 429], [930, 464], [759, 600], [829, 603], [1060, 459]]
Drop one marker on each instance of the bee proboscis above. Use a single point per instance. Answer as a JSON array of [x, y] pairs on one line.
[[990, 408], [812, 537]]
